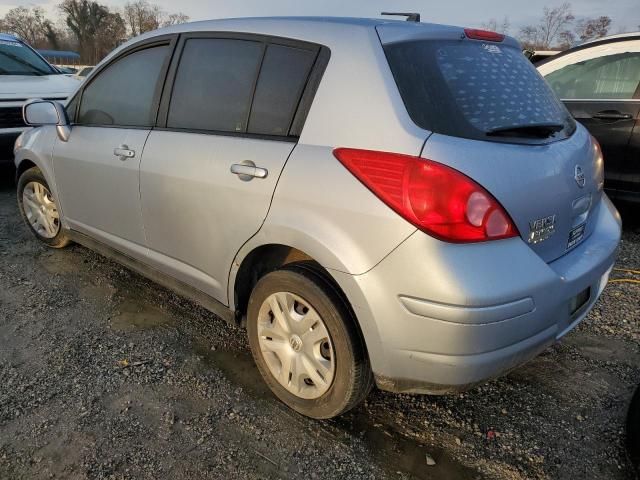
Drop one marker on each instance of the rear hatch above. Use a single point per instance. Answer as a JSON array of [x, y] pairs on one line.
[[493, 117]]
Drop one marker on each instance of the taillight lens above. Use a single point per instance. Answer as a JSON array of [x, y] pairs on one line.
[[435, 198], [486, 35]]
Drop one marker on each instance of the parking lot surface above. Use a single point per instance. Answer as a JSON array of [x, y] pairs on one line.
[[103, 374]]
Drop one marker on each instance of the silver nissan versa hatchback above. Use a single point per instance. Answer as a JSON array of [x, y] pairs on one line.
[[379, 201]]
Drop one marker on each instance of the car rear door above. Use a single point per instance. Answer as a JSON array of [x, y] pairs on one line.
[[227, 126], [603, 93], [97, 168]]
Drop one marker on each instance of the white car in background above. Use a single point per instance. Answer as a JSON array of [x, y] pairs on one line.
[[24, 75], [599, 82], [83, 73]]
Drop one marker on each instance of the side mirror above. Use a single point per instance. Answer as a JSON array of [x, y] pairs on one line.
[[45, 112]]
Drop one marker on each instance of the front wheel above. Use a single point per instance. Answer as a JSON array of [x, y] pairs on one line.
[[39, 209], [306, 344]]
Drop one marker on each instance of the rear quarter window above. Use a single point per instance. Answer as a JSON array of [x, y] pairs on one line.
[[469, 88], [282, 79]]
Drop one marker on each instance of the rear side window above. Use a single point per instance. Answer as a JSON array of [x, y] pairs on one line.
[[123, 93], [613, 77], [473, 90], [283, 76], [214, 84]]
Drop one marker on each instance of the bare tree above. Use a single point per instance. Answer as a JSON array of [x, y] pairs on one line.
[[495, 26], [530, 37], [30, 24], [590, 28], [554, 22], [142, 16], [566, 39]]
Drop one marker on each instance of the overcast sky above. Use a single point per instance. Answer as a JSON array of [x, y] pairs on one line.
[[625, 13]]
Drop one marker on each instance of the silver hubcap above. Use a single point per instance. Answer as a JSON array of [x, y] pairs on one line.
[[295, 345], [40, 209]]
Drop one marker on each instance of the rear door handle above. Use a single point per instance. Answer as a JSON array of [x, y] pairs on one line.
[[124, 152], [248, 170], [612, 115]]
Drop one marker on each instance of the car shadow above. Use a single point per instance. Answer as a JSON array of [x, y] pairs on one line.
[[630, 216], [7, 177]]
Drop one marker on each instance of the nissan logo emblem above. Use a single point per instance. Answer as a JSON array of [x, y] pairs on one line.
[[579, 176]]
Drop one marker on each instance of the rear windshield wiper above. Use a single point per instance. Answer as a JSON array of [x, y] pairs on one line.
[[537, 130]]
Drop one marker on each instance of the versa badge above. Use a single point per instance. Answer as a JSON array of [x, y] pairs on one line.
[[541, 229]]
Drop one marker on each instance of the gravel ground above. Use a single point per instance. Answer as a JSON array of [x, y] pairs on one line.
[[105, 375]]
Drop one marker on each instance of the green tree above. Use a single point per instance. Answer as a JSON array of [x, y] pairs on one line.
[[96, 29]]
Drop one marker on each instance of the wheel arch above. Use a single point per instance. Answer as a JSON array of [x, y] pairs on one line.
[[265, 258], [257, 262], [23, 166]]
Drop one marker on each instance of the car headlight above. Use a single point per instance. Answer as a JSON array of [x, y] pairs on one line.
[[19, 141]]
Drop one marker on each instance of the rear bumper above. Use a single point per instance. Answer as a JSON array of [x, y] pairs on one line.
[[439, 317]]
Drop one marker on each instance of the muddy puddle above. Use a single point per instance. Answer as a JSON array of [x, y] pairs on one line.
[[239, 368], [396, 452], [132, 315], [399, 455], [59, 262]]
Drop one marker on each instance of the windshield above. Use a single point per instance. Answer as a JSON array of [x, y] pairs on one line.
[[478, 90], [17, 58]]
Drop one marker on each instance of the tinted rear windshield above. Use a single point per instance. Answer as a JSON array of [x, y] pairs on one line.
[[471, 89]]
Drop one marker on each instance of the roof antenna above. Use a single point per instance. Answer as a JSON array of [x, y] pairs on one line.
[[411, 17]]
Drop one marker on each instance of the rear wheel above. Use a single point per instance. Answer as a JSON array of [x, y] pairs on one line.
[[39, 209], [306, 344]]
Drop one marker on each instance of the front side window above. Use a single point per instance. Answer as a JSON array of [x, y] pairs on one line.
[[123, 94], [214, 84], [18, 59], [613, 77]]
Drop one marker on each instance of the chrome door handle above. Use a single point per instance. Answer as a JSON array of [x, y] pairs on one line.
[[124, 152], [612, 115], [248, 170]]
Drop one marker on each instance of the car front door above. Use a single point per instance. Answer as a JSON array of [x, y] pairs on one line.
[[97, 169], [225, 131], [603, 93]]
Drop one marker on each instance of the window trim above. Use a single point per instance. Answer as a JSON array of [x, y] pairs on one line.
[[304, 102], [634, 96], [586, 46], [162, 40]]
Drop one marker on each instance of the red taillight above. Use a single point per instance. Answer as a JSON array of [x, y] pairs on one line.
[[486, 35], [435, 198]]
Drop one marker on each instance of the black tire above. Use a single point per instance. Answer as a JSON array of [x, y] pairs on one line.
[[34, 174], [353, 378]]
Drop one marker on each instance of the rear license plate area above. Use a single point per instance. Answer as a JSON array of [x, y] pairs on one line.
[[576, 235], [579, 301]]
